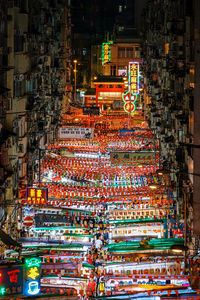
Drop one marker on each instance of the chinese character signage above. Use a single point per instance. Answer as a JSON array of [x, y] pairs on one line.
[[129, 101], [76, 133], [95, 111], [11, 280], [106, 52], [133, 78], [32, 271], [130, 96], [36, 195], [128, 158]]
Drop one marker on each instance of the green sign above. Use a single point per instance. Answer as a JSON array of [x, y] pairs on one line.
[[106, 52]]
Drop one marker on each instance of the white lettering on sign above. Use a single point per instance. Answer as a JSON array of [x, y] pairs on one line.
[[75, 133]]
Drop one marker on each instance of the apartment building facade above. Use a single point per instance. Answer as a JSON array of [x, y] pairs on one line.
[[35, 62], [171, 80]]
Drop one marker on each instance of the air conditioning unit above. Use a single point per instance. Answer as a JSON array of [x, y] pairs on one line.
[[21, 77]]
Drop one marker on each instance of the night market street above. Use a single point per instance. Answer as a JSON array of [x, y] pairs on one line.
[[99, 149]]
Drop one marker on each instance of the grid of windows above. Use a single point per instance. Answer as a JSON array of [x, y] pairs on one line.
[[128, 52]]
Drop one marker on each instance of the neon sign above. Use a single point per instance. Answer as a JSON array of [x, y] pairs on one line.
[[33, 288], [11, 280], [36, 196], [2, 290], [130, 96], [133, 78], [13, 275], [106, 52], [32, 276], [129, 101], [32, 262]]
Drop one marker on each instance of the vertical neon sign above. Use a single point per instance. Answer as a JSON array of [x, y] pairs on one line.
[[130, 96], [32, 276], [133, 78], [106, 52]]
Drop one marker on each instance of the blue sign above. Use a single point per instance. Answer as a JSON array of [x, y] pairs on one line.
[[125, 131], [32, 271]]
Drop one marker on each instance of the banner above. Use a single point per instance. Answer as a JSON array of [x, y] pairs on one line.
[[75, 133], [128, 158], [95, 111]]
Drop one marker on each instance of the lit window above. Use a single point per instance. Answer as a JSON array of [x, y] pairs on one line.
[[84, 51]]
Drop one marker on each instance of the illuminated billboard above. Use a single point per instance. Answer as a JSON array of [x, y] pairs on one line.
[[106, 52], [133, 77], [130, 96], [36, 195], [11, 279], [32, 276]]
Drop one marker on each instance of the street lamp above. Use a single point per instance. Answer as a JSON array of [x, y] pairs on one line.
[[75, 77]]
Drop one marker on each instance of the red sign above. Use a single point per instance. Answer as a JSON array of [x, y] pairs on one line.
[[11, 280], [28, 221], [127, 97], [13, 275], [129, 107], [129, 101], [37, 196]]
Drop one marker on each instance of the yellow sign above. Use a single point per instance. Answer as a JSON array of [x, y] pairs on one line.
[[134, 77], [128, 158], [36, 196], [33, 273]]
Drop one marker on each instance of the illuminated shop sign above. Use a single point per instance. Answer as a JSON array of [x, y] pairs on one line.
[[36, 195], [133, 78], [129, 101], [32, 270], [95, 111], [127, 158], [75, 133], [106, 52], [11, 280], [129, 97]]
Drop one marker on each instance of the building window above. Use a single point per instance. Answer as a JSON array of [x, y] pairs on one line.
[[113, 70], [29, 86], [19, 88], [84, 51], [126, 52], [121, 52], [18, 43], [137, 52], [20, 148], [129, 52], [9, 104], [120, 8], [121, 28]]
